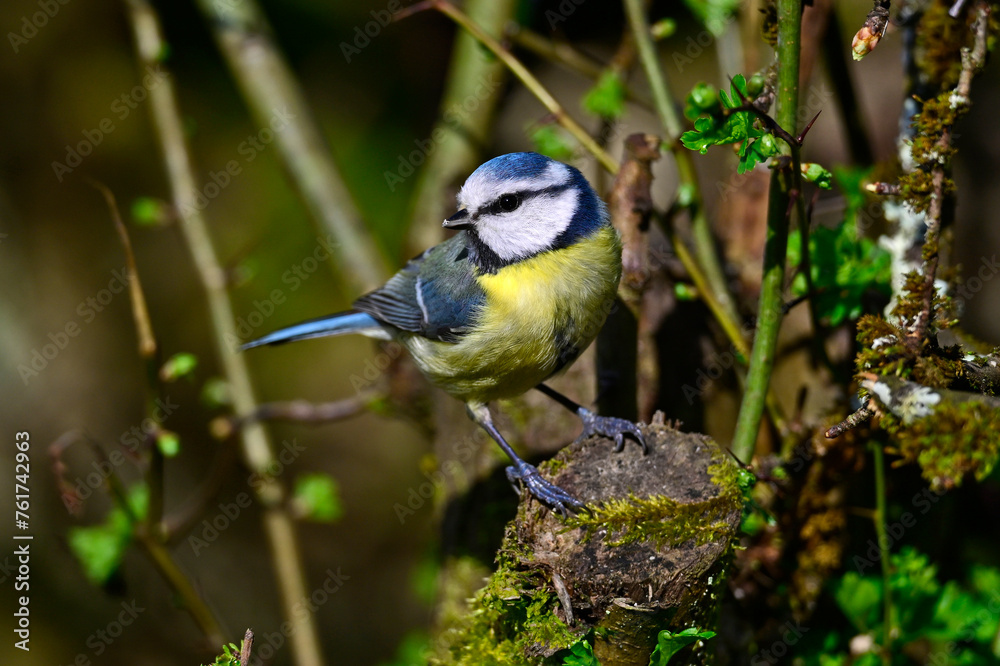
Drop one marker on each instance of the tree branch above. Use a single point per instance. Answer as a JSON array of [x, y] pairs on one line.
[[257, 449]]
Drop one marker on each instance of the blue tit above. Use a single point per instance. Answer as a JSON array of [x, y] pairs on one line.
[[507, 302]]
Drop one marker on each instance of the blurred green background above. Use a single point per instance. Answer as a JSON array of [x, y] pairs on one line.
[[58, 249]]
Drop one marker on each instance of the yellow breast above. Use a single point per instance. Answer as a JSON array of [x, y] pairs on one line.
[[539, 315]]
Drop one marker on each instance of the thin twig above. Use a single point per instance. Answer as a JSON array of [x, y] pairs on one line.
[[148, 352], [888, 621], [257, 448], [269, 87], [701, 235], [529, 81], [884, 189], [863, 414], [140, 311], [564, 54], [245, 647], [461, 133], [972, 61], [303, 411], [160, 557]]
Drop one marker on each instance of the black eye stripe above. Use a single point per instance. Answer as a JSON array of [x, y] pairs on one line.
[[494, 207]]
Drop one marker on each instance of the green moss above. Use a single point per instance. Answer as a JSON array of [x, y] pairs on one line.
[[939, 40], [665, 521], [956, 440], [880, 347], [514, 616]]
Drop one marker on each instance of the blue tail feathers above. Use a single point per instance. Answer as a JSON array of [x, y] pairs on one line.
[[337, 324]]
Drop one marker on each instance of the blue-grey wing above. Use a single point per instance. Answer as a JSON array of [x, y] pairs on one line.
[[435, 295]]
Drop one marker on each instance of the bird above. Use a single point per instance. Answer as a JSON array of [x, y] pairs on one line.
[[506, 303]]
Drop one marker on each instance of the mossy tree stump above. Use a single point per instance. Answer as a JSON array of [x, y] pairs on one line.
[[650, 555]]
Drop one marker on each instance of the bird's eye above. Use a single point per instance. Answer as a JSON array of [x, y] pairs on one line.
[[509, 202]]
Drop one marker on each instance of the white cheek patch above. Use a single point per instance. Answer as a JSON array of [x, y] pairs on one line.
[[530, 229], [481, 189]]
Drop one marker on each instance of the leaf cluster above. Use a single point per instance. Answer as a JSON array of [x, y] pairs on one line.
[[100, 548], [950, 622], [718, 123]]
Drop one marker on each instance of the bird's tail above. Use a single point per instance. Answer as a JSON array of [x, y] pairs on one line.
[[336, 324]]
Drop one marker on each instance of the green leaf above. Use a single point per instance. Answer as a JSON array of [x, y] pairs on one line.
[[215, 393], [607, 98], [685, 292], [230, 656], [100, 548], [316, 496], [716, 125], [150, 212], [844, 268], [169, 443], [663, 28], [668, 644], [412, 650], [581, 654], [860, 598], [552, 141], [179, 365]]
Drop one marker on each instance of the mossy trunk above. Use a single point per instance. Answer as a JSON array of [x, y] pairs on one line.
[[650, 555]]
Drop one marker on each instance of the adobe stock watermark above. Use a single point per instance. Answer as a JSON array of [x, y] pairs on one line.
[[30, 25], [229, 512], [267, 643], [131, 440], [294, 277], [363, 35], [248, 149], [921, 502], [58, 340], [774, 654], [103, 638], [696, 45], [120, 109], [988, 268], [417, 497], [562, 13], [984, 617], [453, 117]]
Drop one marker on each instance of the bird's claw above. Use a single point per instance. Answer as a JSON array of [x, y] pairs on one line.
[[613, 428], [530, 479]]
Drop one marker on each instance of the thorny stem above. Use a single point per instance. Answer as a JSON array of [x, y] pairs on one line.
[[529, 81], [257, 449], [972, 61], [779, 207], [269, 87], [883, 547]]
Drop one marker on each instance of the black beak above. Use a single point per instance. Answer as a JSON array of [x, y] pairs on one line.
[[459, 220]]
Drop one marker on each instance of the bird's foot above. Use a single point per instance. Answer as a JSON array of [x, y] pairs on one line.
[[612, 428], [527, 477]]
